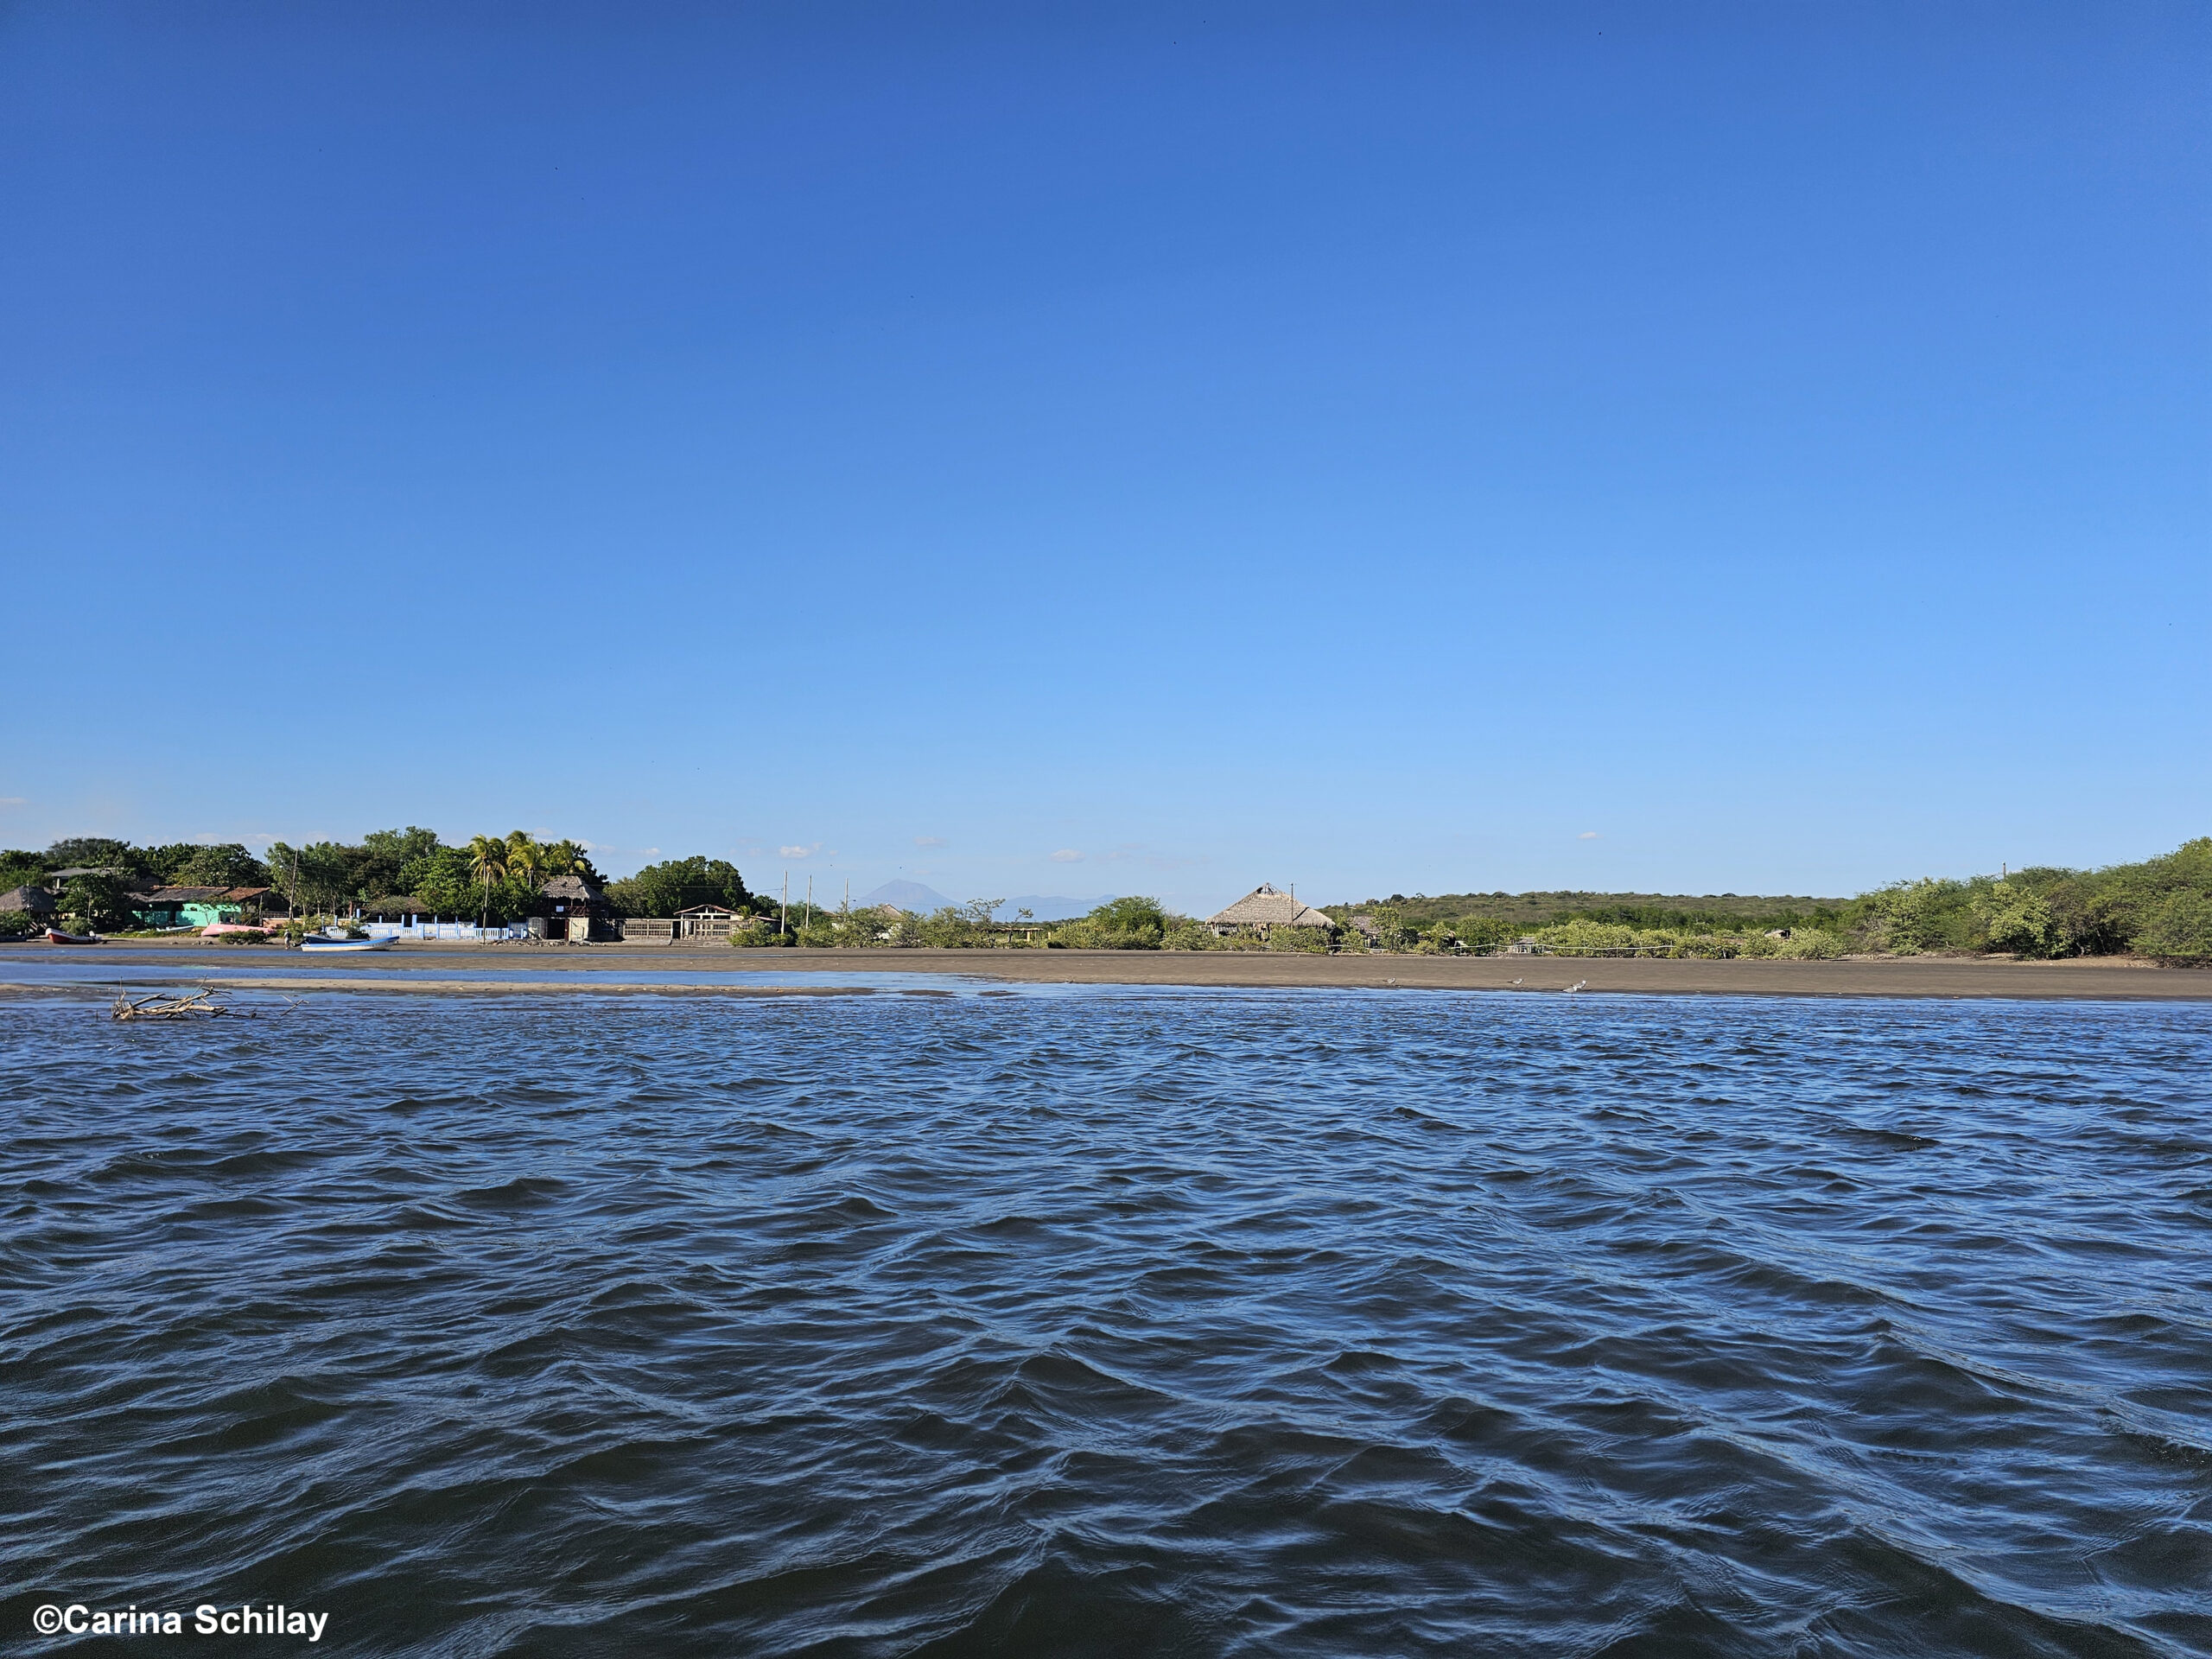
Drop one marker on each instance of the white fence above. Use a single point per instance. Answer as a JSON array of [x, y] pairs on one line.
[[446, 931]]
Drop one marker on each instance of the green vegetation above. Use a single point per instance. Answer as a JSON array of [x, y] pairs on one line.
[[2160, 908], [497, 880], [1517, 912], [1130, 924], [182, 864], [93, 901], [679, 883], [493, 878]]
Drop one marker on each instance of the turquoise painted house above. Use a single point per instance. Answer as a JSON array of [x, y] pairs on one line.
[[199, 907]]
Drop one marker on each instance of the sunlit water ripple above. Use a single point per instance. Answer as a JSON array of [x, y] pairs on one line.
[[1114, 1321]]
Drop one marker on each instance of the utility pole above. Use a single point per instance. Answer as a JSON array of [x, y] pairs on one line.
[[784, 910], [808, 922]]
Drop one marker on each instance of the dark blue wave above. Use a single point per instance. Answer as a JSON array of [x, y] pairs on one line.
[[1107, 1322]]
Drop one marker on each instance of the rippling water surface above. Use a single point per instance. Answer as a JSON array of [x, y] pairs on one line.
[[1110, 1321]]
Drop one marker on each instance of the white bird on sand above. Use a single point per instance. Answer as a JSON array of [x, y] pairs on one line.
[[1513, 982], [1578, 985]]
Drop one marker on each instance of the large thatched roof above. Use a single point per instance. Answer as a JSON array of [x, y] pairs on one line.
[[1267, 906], [573, 887]]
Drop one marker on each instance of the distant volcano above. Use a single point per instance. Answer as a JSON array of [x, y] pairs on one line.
[[906, 895]]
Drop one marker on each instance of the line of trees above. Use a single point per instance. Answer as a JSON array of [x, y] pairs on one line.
[[492, 878], [2160, 908], [677, 884], [1130, 924], [100, 899]]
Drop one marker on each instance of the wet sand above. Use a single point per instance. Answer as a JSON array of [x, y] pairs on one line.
[[2111, 979]]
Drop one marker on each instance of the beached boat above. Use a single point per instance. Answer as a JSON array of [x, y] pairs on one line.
[[335, 940], [56, 935]]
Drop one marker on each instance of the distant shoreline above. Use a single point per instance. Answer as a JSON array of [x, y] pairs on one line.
[[2095, 979]]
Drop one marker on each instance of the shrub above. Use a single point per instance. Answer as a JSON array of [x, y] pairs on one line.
[[1910, 917], [2016, 921], [2180, 930], [1131, 923], [1578, 938], [1484, 932]]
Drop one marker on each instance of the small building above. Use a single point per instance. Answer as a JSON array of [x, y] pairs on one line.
[[37, 901], [695, 924], [575, 909], [702, 923], [1266, 908], [1369, 930], [188, 906]]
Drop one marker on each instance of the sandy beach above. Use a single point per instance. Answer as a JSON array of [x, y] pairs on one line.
[[413, 967]]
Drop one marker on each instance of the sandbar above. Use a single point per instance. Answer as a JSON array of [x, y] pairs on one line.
[[411, 966]]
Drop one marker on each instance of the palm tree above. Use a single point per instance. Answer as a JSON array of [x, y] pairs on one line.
[[527, 859], [568, 858], [487, 861]]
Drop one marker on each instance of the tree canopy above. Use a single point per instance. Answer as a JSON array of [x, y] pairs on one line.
[[677, 884]]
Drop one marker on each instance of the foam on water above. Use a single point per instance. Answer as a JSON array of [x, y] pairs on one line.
[[1106, 1321]]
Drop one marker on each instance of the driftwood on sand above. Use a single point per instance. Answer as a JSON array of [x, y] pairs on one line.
[[161, 1007]]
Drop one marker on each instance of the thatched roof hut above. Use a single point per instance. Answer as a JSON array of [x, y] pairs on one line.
[[576, 908], [36, 900], [1265, 907], [576, 893]]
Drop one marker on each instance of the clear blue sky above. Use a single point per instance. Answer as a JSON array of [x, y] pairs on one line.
[[1380, 448]]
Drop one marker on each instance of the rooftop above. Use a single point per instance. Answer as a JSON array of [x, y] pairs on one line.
[[1269, 907]]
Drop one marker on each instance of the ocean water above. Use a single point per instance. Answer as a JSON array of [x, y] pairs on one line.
[[1110, 1321]]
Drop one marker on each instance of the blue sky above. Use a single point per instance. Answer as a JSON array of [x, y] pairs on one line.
[[1086, 450]]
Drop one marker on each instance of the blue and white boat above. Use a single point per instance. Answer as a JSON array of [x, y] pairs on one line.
[[336, 939]]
